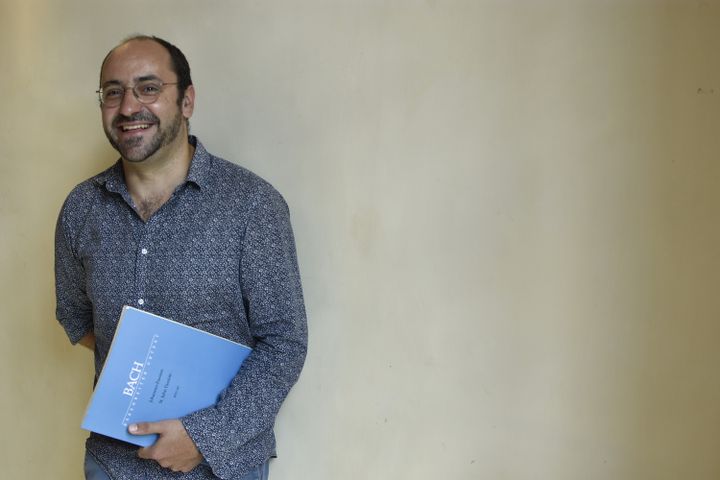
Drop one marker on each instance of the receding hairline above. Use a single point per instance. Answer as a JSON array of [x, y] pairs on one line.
[[133, 38]]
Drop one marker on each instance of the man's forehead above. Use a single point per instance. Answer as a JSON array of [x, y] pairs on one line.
[[135, 59]]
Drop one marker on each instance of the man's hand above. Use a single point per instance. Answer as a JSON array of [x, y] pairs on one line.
[[88, 341], [174, 449]]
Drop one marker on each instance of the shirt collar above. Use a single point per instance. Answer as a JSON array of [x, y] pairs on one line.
[[199, 173], [113, 178]]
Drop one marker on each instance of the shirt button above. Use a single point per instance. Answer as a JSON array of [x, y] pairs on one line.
[[141, 302], [144, 251]]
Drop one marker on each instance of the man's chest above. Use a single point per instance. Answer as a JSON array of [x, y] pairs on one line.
[[182, 263]]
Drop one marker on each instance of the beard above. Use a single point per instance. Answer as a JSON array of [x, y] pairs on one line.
[[137, 149]]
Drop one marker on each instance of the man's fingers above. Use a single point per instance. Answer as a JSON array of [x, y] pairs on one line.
[[174, 449], [148, 453], [139, 428], [145, 453], [146, 428]]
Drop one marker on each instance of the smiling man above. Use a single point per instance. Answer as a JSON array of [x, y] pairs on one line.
[[186, 235]]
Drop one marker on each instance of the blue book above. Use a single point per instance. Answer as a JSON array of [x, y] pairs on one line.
[[158, 369]]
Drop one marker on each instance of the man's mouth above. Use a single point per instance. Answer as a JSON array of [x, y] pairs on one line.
[[129, 128]]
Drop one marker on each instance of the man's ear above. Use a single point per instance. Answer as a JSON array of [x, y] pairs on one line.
[[188, 102]]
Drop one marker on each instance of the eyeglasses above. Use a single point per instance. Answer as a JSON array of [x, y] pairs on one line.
[[146, 92]]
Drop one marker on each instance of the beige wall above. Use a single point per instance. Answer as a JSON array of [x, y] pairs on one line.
[[506, 215]]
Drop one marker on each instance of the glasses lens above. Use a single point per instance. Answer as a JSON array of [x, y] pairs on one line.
[[147, 92], [111, 96]]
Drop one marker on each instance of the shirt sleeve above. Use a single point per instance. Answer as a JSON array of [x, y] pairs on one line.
[[230, 435], [73, 310]]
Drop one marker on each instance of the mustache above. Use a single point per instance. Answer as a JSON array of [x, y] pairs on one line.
[[135, 117]]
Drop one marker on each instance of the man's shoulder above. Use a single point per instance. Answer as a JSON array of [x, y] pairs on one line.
[[236, 180], [92, 185], [87, 192]]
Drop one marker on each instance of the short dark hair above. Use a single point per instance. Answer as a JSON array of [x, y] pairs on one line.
[[178, 62]]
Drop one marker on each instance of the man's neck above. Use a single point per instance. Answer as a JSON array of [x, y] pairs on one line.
[[152, 182]]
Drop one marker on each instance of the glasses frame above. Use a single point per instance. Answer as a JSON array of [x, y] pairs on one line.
[[135, 93]]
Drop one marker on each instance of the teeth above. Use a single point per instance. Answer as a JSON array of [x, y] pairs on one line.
[[135, 127]]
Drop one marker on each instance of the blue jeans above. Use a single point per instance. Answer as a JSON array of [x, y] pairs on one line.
[[93, 471]]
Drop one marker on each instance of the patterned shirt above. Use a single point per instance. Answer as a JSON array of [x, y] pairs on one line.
[[219, 255]]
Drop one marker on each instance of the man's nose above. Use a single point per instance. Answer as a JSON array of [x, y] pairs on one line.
[[129, 104]]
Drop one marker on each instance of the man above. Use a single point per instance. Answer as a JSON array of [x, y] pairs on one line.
[[176, 231]]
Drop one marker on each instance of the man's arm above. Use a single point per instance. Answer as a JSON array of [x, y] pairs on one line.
[[236, 433], [74, 310]]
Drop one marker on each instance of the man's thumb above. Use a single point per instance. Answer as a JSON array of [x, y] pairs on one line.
[[143, 428]]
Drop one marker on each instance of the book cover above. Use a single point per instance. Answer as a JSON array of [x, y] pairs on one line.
[[158, 369]]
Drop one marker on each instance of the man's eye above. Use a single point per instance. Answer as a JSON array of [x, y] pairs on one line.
[[113, 92], [149, 89]]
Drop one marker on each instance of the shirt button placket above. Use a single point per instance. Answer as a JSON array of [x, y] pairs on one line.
[[141, 267]]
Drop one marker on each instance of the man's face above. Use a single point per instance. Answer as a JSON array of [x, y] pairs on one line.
[[134, 129]]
